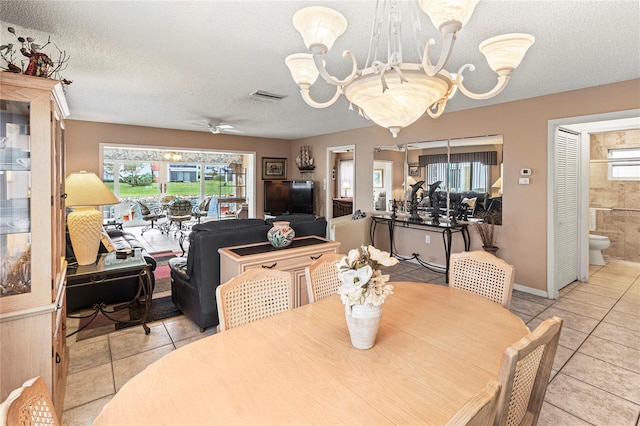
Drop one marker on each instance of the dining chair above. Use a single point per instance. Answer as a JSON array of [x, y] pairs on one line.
[[480, 410], [482, 273], [254, 294], [322, 277], [201, 210], [29, 405], [524, 374], [179, 212], [151, 214]]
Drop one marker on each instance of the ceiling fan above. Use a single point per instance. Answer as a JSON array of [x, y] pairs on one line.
[[216, 127]]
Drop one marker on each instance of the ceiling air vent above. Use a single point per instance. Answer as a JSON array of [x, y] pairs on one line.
[[267, 96]]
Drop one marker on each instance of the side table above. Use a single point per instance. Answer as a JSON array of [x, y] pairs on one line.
[[112, 223], [90, 280]]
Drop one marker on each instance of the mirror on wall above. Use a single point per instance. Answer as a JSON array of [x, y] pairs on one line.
[[463, 175], [341, 187]]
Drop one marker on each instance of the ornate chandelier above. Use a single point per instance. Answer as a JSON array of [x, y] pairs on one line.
[[395, 94], [172, 156]]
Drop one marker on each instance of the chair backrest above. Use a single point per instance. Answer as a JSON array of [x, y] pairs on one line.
[[322, 277], [482, 273], [524, 374], [181, 208], [254, 294], [29, 405], [480, 410], [144, 209], [204, 204]]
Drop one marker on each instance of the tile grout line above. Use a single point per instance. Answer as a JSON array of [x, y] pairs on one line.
[[578, 348]]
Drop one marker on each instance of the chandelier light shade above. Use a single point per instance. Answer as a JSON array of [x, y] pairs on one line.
[[444, 11], [319, 26], [390, 92], [84, 191]]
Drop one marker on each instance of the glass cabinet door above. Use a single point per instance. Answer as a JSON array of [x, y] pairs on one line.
[[15, 204]]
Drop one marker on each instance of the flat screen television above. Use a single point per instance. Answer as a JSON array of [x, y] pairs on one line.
[[288, 196]]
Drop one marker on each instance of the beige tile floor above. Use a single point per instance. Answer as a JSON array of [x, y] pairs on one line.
[[596, 376]]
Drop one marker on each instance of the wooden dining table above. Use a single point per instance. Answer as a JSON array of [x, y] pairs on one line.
[[436, 347]]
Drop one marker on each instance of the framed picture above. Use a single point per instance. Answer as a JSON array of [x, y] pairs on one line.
[[274, 168], [377, 178], [414, 170]]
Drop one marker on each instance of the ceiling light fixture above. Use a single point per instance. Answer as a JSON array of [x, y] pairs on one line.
[[172, 156], [394, 94]]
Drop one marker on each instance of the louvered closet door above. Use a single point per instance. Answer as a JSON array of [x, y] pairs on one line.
[[566, 208]]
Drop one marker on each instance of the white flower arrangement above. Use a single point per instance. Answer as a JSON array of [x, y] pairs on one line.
[[362, 281]]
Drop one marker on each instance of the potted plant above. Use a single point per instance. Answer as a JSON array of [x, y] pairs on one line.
[[488, 233]]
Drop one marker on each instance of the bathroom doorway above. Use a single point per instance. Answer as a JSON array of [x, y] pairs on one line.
[[584, 126]]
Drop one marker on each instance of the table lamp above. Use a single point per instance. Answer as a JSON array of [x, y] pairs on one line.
[[85, 191], [498, 184], [346, 187]]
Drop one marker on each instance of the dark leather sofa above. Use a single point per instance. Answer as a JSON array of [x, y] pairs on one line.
[[84, 296], [194, 280]]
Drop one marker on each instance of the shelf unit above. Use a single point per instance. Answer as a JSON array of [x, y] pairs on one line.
[[237, 176], [32, 237]]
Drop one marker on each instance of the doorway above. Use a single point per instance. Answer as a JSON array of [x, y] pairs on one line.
[[341, 181], [583, 126]]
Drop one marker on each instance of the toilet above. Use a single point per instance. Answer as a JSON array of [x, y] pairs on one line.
[[597, 243]]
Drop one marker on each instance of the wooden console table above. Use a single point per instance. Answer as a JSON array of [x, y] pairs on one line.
[[301, 253], [446, 229]]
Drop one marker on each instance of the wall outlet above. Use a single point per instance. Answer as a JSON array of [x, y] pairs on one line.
[[525, 172], [427, 239]]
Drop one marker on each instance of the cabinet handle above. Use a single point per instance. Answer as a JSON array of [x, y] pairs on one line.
[[316, 257], [58, 359], [270, 266], [98, 278]]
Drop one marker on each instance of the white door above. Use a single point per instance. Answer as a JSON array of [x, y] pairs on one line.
[[566, 240]]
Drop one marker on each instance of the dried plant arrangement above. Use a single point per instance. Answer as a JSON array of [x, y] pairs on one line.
[[37, 63]]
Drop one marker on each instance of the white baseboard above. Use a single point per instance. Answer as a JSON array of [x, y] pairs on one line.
[[530, 290]]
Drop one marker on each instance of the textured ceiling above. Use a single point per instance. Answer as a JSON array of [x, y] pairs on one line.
[[171, 64]]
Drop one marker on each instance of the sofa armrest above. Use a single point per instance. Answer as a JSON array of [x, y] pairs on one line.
[[178, 266]]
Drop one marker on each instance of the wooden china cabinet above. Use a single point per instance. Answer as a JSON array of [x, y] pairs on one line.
[[32, 237]]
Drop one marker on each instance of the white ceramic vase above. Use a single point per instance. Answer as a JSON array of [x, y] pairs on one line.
[[363, 322]]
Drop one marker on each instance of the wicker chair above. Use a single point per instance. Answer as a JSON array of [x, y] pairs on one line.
[[524, 374], [482, 273], [252, 295], [29, 405], [480, 410], [322, 277], [150, 214], [202, 210]]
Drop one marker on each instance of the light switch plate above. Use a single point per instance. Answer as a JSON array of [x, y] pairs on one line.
[[523, 181]]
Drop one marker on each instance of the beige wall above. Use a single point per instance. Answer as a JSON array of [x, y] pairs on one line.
[[524, 125], [83, 140], [621, 198]]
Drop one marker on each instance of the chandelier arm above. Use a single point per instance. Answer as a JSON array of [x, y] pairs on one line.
[[439, 107], [447, 47], [318, 59], [304, 91], [503, 78]]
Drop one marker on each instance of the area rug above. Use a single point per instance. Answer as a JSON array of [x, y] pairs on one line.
[[161, 306]]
